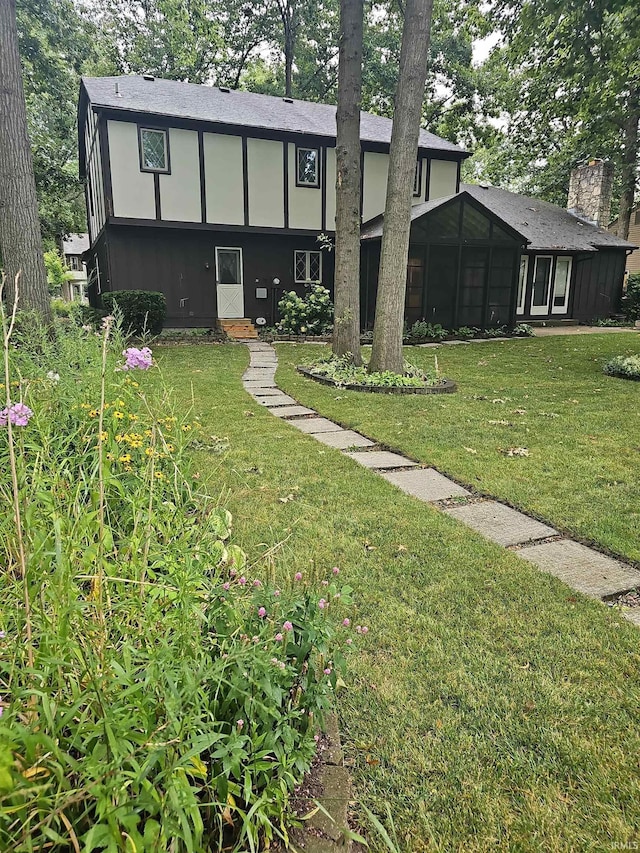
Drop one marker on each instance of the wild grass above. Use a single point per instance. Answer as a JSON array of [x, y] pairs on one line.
[[490, 707]]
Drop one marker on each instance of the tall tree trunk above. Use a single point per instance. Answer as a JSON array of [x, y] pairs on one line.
[[392, 278], [288, 14], [346, 334], [20, 239], [629, 164]]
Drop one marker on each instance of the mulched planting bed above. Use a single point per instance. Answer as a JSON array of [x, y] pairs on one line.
[[444, 386]]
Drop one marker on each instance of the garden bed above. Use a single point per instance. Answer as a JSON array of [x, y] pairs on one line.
[[442, 386]]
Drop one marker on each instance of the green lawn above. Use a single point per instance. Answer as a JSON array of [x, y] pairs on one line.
[[489, 706], [548, 395]]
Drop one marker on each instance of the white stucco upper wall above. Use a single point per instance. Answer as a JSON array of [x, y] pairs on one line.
[[443, 177], [180, 190], [223, 178], [133, 193], [265, 168]]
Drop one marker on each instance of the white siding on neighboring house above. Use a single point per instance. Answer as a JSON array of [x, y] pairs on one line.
[[223, 179], [180, 191], [305, 203], [443, 176], [331, 189], [266, 182], [133, 192], [375, 184]]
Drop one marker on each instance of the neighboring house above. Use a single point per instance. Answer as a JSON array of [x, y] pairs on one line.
[[633, 260], [217, 198], [73, 248]]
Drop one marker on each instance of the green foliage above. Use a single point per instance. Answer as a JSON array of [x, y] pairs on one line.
[[342, 372], [308, 315], [465, 332], [523, 330], [57, 271], [142, 311], [147, 703], [61, 308], [423, 331], [625, 366], [630, 303]]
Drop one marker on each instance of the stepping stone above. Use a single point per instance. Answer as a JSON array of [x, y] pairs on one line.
[[317, 425], [276, 400], [425, 484], [264, 391], [382, 459], [259, 374], [253, 385], [291, 411], [342, 439], [588, 571], [500, 523]]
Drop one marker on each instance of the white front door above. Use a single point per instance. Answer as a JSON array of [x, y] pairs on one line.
[[229, 283]]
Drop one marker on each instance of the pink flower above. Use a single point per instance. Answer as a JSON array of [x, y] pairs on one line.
[[242, 581], [349, 641], [240, 724], [282, 665], [226, 585], [335, 570], [17, 413], [256, 639], [287, 626], [257, 583], [362, 629], [278, 638], [298, 576], [275, 661], [365, 630], [325, 583], [316, 738], [327, 670], [277, 593], [346, 623], [322, 604], [137, 359], [233, 573], [262, 612]]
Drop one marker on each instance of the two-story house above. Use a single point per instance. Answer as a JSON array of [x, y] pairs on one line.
[[217, 198]]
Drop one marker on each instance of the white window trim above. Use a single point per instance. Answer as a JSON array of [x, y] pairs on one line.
[[523, 275], [230, 249], [307, 253], [562, 309], [167, 162], [316, 183], [539, 310], [417, 179]]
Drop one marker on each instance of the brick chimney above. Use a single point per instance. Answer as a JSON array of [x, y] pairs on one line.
[[590, 188]]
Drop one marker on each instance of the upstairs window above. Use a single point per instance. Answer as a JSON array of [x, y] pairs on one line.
[[417, 180], [154, 150], [307, 167], [307, 266]]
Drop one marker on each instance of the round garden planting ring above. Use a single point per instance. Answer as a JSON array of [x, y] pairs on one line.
[[445, 386]]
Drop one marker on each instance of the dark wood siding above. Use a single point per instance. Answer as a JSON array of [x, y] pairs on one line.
[[181, 264], [598, 285]]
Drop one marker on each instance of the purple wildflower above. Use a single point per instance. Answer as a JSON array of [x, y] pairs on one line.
[[17, 413], [262, 612], [277, 593], [327, 670], [346, 622], [226, 585], [335, 570], [278, 637], [287, 626], [257, 583], [240, 724], [242, 581], [322, 604], [298, 576], [137, 359]]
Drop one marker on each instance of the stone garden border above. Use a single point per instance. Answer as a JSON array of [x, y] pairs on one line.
[[445, 386]]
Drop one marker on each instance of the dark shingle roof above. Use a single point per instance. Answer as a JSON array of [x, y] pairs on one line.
[[543, 226], [546, 226], [75, 244], [237, 108]]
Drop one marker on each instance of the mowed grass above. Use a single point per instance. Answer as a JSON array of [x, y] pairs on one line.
[[547, 395], [489, 707]]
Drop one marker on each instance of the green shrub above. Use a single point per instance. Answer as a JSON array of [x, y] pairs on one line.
[[308, 315], [61, 308], [630, 303], [625, 366], [142, 311], [465, 332], [341, 371], [86, 315], [423, 331], [523, 330], [147, 702], [57, 271]]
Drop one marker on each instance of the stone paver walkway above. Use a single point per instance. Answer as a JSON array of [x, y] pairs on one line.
[[585, 569]]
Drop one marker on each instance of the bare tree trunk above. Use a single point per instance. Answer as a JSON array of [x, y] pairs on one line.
[[288, 14], [346, 334], [392, 279], [629, 164], [20, 238]]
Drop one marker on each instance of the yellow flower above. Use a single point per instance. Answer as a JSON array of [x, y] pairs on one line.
[[148, 433], [128, 468], [118, 415], [120, 403], [170, 448], [133, 417], [150, 451], [107, 406], [82, 405], [104, 435], [159, 475], [120, 437], [126, 457], [111, 456], [135, 443], [93, 413], [135, 436], [186, 427]]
